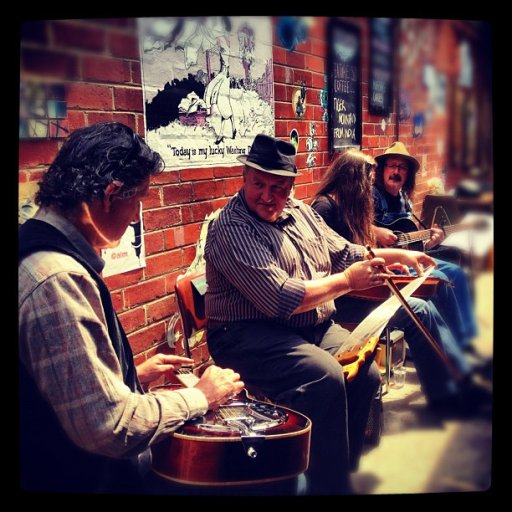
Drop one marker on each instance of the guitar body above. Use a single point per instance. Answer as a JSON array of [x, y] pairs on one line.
[[401, 227], [242, 442], [381, 293]]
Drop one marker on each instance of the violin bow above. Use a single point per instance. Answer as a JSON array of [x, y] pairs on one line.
[[396, 292]]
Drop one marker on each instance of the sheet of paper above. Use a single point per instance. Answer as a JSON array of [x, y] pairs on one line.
[[374, 323], [476, 241]]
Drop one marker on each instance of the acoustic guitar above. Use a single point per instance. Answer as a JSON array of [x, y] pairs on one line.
[[242, 442], [409, 237]]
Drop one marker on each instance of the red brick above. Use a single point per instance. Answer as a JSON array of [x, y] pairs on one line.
[[34, 31], [178, 194], [197, 212], [296, 60], [318, 28], [161, 309], [170, 237], [152, 200], [76, 119], [73, 35], [165, 177], [118, 301], [161, 218], [144, 292], [280, 92], [125, 279], [49, 63], [191, 233], [132, 320], [369, 129], [203, 173], [104, 69], [281, 128], [318, 80], [163, 262], [283, 110], [319, 47], [140, 126], [136, 77], [189, 253], [282, 74], [125, 46], [147, 337], [306, 176], [232, 186], [170, 279], [315, 63], [89, 96], [154, 242], [302, 75], [219, 203], [104, 117], [37, 152], [223, 172], [207, 189], [278, 55], [300, 191], [304, 46], [128, 99]]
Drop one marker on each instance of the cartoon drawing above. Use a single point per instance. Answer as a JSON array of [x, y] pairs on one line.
[[208, 86]]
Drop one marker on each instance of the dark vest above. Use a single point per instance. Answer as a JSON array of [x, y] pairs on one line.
[[50, 461]]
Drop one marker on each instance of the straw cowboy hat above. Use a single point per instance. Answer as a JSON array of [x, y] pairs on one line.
[[271, 155], [398, 149]]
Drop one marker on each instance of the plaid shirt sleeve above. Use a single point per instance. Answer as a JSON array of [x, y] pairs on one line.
[[65, 346]]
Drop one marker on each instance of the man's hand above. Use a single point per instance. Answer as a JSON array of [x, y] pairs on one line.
[[158, 364], [366, 274], [219, 385], [385, 237], [417, 260], [436, 237]]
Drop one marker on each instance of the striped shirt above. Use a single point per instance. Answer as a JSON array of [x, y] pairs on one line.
[[65, 346], [256, 269]]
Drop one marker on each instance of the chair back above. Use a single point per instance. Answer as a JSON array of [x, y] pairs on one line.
[[190, 290]]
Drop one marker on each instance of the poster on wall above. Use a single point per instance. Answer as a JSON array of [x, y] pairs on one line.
[[380, 95], [344, 84], [208, 86], [130, 254]]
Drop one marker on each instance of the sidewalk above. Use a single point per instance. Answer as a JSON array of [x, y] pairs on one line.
[[420, 452]]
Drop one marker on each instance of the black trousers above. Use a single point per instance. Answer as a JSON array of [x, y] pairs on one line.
[[295, 368]]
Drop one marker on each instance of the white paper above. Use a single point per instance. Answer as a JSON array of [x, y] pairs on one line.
[[374, 323], [478, 241], [129, 254]]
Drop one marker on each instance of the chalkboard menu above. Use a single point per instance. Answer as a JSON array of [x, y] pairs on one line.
[[344, 85], [380, 95]]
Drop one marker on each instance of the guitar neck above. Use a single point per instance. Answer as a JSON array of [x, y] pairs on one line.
[[425, 234]]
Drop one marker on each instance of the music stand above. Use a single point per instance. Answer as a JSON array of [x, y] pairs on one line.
[[442, 209]]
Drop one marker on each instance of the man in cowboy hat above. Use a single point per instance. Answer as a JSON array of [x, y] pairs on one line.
[[273, 270], [395, 179]]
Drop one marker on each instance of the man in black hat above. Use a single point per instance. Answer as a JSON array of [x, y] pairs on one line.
[[273, 270]]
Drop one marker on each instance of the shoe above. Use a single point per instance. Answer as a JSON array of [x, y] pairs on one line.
[[474, 399]]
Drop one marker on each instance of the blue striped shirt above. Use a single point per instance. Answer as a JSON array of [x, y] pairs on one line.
[[256, 269]]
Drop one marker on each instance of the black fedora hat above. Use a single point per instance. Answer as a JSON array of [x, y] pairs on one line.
[[271, 155]]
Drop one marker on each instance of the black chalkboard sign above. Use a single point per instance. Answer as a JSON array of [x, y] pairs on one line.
[[380, 95], [344, 84]]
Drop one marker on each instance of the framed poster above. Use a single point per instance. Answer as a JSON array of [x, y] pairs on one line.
[[344, 84], [208, 86], [380, 94]]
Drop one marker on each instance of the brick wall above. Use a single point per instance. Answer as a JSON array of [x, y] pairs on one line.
[[99, 62]]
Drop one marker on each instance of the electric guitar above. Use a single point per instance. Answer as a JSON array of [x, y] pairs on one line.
[[409, 237], [244, 441]]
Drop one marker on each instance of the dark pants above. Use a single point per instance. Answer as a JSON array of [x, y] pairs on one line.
[[295, 368]]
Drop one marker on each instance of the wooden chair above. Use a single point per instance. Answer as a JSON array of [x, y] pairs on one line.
[[190, 291]]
